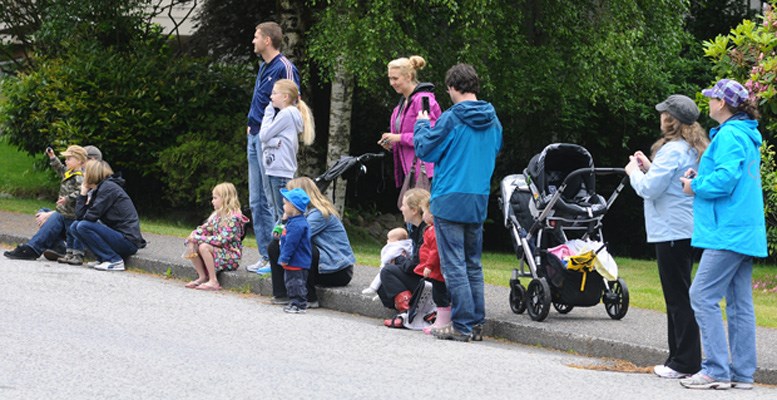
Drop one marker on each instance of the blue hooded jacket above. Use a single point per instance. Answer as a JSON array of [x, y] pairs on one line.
[[728, 207], [463, 146]]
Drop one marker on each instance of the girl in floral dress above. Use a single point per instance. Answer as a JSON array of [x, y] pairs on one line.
[[217, 245]]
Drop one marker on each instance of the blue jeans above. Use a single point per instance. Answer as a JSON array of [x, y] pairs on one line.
[[460, 246], [50, 234], [261, 215], [275, 184], [106, 243], [727, 274], [297, 287]]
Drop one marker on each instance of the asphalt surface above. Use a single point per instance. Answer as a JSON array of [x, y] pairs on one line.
[[640, 337], [75, 333]]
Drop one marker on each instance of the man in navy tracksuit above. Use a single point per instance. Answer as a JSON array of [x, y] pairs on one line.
[[268, 40], [463, 146]]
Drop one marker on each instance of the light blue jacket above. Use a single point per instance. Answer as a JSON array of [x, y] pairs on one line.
[[463, 146], [668, 211], [728, 207], [328, 235]]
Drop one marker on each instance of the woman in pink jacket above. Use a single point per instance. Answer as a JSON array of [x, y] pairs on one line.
[[403, 78]]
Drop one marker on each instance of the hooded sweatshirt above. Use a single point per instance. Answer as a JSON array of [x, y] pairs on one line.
[[403, 122], [463, 146], [280, 140], [728, 205]]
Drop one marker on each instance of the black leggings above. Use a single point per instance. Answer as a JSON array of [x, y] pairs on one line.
[[335, 279], [393, 281]]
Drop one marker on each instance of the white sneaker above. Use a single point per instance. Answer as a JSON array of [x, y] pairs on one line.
[[668, 373], [369, 290], [262, 263], [110, 266], [742, 385]]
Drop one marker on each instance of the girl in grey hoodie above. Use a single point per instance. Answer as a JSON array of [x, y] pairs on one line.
[[287, 119]]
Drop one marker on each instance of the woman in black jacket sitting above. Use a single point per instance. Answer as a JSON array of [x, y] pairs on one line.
[[107, 222], [398, 280]]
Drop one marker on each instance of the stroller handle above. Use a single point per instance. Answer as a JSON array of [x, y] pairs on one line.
[[595, 171], [370, 156]]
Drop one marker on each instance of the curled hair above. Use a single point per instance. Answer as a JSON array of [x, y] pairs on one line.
[[693, 134], [748, 107], [417, 199], [317, 199], [463, 78], [230, 204], [273, 31], [289, 88], [96, 171], [408, 66]]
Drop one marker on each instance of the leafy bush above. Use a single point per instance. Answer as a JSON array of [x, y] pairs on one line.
[[138, 102]]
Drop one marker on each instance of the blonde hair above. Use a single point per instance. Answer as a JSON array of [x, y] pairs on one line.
[[417, 198], [96, 171], [289, 88], [397, 234], [408, 66], [230, 204], [694, 134], [317, 199]]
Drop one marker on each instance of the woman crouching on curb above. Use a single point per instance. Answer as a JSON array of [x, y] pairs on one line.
[[399, 280], [108, 223]]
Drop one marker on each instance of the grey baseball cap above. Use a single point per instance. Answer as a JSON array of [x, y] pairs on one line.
[[93, 153], [680, 107]]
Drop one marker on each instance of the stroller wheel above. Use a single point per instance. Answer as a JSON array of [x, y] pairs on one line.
[[538, 299], [517, 296], [616, 300], [562, 308]]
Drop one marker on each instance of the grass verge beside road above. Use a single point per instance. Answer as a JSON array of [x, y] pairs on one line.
[[641, 276]]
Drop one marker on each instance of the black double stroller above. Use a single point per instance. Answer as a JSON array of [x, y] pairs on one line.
[[552, 202]]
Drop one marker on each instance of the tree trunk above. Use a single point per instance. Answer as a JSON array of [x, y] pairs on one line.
[[293, 23], [341, 106]]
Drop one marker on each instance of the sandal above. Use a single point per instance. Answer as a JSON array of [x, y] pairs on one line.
[[448, 332], [193, 284], [396, 322]]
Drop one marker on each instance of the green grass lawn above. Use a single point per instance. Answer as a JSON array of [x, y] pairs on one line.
[[19, 177]]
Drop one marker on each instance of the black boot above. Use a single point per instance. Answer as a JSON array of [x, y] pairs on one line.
[[22, 252]]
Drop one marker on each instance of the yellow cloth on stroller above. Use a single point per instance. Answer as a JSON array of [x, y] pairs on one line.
[[583, 262]]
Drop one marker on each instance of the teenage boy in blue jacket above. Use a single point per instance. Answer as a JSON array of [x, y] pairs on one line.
[[296, 251], [463, 146]]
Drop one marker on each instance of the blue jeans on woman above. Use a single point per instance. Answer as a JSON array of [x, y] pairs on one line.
[[106, 243], [728, 274], [460, 246]]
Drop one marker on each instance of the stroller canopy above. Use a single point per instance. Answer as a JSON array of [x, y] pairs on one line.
[[549, 168]]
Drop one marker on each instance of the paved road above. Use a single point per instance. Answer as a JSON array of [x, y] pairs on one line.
[[74, 333]]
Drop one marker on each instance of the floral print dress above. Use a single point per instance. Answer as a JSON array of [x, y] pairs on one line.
[[226, 237]]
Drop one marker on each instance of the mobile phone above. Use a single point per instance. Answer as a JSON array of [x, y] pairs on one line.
[[425, 104]]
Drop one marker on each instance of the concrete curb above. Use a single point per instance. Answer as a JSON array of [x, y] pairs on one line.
[[638, 340]]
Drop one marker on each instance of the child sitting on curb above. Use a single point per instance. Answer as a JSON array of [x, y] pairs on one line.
[[217, 244], [296, 251]]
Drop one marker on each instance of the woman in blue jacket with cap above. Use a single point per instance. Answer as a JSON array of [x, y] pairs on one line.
[[729, 225], [669, 224]]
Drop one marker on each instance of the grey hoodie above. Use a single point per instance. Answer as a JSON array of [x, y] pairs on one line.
[[280, 140]]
